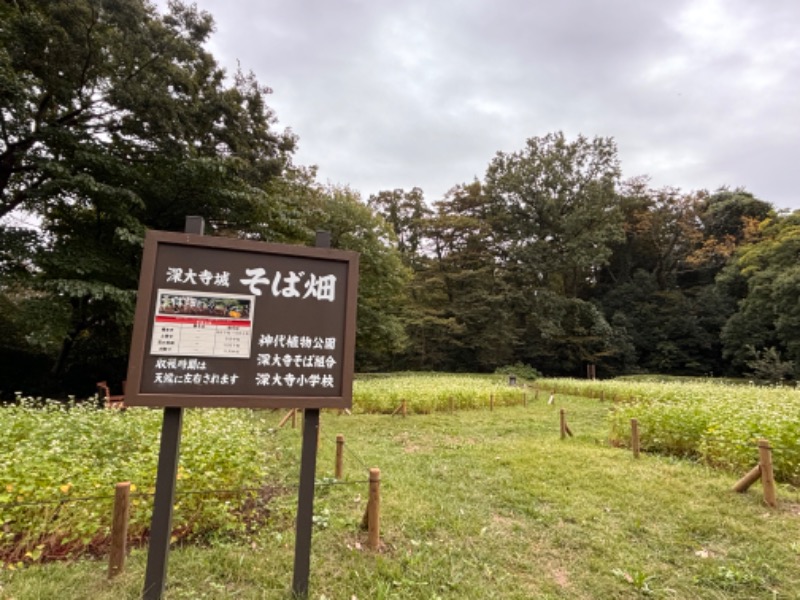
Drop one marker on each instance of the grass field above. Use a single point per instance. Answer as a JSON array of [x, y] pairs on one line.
[[481, 504]]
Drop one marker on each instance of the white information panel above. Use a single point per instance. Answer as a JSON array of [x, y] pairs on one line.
[[188, 323]]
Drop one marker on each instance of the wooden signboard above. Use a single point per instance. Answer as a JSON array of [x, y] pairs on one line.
[[236, 323]]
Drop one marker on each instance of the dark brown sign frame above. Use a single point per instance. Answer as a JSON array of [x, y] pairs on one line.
[[290, 287]]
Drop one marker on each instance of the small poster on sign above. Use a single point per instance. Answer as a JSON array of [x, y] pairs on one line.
[[192, 324]]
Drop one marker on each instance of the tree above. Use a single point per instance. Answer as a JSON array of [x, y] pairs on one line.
[[114, 118], [554, 215], [661, 228], [727, 219], [380, 334], [406, 212], [766, 274], [555, 207], [660, 277], [95, 90], [475, 301], [674, 330], [768, 367], [731, 214]]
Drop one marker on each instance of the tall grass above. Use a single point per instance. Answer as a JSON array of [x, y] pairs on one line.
[[719, 423], [433, 392], [59, 464]]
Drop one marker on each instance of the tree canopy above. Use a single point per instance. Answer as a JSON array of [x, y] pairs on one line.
[[115, 118], [766, 274]]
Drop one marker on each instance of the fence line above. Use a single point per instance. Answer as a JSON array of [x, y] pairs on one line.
[[229, 491], [120, 516]]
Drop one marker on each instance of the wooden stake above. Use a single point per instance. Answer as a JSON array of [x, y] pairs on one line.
[[119, 529], [374, 509], [402, 409], [767, 476], [563, 427], [339, 456], [745, 482], [491, 401], [635, 437], [552, 398], [289, 415]]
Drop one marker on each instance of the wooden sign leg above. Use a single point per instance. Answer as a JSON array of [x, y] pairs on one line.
[[305, 504], [305, 496], [166, 477], [161, 524]]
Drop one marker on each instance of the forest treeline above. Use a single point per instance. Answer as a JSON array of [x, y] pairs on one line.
[[115, 118]]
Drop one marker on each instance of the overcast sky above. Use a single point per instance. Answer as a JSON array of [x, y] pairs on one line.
[[388, 94]]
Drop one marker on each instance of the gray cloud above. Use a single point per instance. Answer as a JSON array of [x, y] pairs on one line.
[[382, 94]]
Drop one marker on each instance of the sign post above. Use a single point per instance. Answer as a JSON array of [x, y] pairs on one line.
[[305, 494], [168, 456], [236, 323]]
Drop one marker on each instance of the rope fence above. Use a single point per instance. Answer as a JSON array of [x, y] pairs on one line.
[[208, 492]]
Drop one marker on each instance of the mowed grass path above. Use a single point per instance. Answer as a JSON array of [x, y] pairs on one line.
[[487, 504]]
